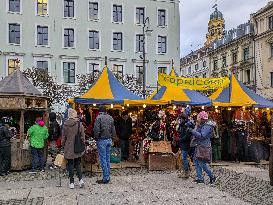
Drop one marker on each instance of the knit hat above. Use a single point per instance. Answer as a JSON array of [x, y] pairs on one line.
[[203, 115], [72, 113], [102, 108]]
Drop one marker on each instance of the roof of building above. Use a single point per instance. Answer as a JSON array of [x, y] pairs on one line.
[[17, 84], [264, 9]]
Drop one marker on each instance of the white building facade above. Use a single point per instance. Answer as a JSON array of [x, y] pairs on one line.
[[70, 37]]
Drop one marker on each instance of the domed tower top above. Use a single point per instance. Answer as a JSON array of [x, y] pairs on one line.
[[216, 26], [216, 14]]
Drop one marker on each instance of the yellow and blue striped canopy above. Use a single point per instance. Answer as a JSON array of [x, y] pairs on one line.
[[179, 96], [107, 90], [237, 94]]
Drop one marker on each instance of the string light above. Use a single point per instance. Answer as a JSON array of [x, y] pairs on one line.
[[229, 108], [203, 107], [174, 107], [216, 106], [256, 108], [112, 106], [94, 105], [122, 107], [128, 105], [144, 106], [267, 109], [216, 110]]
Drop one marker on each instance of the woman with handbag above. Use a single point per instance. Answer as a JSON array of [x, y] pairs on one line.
[[202, 156], [73, 144]]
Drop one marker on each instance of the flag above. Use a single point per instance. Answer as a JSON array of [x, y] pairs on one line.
[[215, 5]]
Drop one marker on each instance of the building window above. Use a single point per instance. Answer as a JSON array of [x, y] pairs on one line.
[[204, 75], [248, 76], [69, 72], [12, 63], [139, 43], [162, 70], [14, 33], [161, 17], [224, 61], [42, 7], [14, 5], [215, 64], [271, 76], [246, 54], [234, 57], [162, 44], [196, 67], [140, 15], [271, 49], [118, 71], [189, 70], [68, 37], [94, 70], [94, 40], [139, 73], [271, 22], [93, 10], [117, 13], [43, 65], [117, 41], [69, 8], [42, 35], [204, 64]]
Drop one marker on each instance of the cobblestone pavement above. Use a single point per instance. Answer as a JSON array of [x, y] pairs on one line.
[[235, 185], [150, 188]]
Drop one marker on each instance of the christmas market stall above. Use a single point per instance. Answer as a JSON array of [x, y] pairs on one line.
[[243, 119], [21, 102]]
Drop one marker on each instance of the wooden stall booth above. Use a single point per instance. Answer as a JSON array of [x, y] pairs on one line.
[[21, 101]]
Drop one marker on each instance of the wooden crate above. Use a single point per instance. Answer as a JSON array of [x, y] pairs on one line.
[[160, 147], [161, 161]]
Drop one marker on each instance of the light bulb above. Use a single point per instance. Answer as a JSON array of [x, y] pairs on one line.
[[144, 106], [112, 106], [94, 105]]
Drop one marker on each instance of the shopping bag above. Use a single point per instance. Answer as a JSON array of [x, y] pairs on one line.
[[26, 145], [60, 161], [203, 153], [115, 156]]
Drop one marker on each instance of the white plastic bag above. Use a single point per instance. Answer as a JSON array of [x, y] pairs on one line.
[[26, 145]]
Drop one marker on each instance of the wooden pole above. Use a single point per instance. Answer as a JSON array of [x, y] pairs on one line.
[[271, 154], [22, 126]]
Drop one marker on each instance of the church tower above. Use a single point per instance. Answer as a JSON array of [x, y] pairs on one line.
[[216, 27]]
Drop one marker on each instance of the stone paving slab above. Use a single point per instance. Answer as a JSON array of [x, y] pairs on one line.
[[148, 189]]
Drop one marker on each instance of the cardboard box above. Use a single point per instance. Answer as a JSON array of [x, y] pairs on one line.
[[161, 162]]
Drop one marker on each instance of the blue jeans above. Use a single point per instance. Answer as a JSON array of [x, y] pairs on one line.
[[185, 160], [104, 147], [201, 165], [38, 161]]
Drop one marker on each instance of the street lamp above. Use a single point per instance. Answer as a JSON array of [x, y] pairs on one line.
[[145, 30]]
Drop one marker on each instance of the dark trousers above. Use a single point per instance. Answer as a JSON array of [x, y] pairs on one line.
[[38, 161], [71, 164], [124, 145], [5, 159]]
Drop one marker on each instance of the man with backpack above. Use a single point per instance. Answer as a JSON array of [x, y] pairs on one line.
[[54, 133], [5, 148]]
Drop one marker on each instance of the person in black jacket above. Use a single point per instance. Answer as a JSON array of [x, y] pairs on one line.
[[5, 148], [185, 140], [125, 131], [54, 133]]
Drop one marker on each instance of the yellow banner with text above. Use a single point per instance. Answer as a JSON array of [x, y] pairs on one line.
[[193, 83]]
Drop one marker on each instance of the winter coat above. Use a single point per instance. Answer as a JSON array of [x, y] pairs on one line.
[[54, 131], [104, 127], [184, 135], [5, 136], [125, 127], [38, 134], [70, 130], [203, 133]]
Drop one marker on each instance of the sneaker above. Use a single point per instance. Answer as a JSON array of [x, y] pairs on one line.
[[42, 170], [212, 180], [199, 181], [81, 183], [71, 186]]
